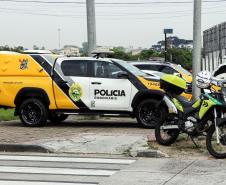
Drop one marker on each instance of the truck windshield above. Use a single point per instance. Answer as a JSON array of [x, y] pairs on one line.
[[181, 69], [132, 69], [50, 57]]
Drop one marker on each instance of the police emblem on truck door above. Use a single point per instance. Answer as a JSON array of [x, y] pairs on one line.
[[75, 92], [23, 64]]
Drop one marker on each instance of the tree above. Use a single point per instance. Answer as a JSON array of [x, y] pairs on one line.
[[147, 53], [35, 47], [15, 49], [84, 50], [180, 56], [120, 54]]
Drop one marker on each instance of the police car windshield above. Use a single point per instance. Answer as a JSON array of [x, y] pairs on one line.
[[181, 69], [50, 57], [132, 69]]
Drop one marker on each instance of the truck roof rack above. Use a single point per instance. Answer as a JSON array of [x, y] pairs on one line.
[[37, 52], [101, 54]]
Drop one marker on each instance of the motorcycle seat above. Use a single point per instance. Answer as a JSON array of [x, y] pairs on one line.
[[185, 103]]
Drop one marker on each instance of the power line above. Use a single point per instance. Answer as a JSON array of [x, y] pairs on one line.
[[110, 3], [117, 17]]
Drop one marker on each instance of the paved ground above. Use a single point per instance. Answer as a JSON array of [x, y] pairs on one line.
[[187, 165], [171, 172], [104, 136], [117, 136], [51, 169], [14, 132], [57, 169]]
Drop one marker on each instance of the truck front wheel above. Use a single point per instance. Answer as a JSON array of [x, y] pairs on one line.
[[33, 112]]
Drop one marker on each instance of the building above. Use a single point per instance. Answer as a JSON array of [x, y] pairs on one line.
[[214, 47], [186, 46], [70, 50]]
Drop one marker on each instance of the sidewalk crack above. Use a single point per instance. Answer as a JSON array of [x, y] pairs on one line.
[[179, 172]]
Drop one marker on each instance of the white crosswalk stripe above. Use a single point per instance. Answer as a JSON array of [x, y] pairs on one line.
[[38, 183], [67, 159], [57, 170]]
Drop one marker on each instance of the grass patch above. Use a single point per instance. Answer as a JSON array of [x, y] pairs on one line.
[[7, 115]]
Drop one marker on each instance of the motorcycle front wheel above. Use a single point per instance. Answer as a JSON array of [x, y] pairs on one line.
[[217, 150]]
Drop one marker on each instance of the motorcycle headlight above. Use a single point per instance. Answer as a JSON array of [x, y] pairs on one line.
[[220, 84]]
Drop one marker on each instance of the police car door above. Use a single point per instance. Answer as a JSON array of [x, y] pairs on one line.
[[107, 91], [71, 76]]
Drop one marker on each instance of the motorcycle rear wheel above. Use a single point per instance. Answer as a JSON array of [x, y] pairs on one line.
[[165, 137]]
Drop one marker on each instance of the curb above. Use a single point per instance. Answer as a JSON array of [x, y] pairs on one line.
[[148, 153], [151, 154], [23, 148]]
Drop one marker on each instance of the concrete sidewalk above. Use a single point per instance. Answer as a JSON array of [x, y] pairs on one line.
[[171, 172]]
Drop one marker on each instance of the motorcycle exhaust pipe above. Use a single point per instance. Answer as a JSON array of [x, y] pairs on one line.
[[168, 127]]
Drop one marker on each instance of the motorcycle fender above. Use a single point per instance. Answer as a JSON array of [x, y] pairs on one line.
[[171, 107], [206, 105]]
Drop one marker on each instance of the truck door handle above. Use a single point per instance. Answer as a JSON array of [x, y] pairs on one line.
[[96, 83]]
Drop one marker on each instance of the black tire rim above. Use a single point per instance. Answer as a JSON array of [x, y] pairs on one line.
[[148, 114], [31, 113]]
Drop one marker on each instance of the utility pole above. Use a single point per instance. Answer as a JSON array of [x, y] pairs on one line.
[[59, 37], [91, 25], [197, 42], [166, 31], [165, 52]]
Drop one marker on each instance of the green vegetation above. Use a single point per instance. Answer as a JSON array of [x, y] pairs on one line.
[[145, 54], [180, 56], [15, 49], [7, 115]]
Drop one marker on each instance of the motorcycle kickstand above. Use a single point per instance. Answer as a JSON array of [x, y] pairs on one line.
[[194, 142]]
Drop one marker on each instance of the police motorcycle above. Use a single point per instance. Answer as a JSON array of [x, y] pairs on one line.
[[202, 117]]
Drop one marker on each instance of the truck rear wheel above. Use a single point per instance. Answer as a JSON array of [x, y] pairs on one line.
[[146, 113], [33, 113]]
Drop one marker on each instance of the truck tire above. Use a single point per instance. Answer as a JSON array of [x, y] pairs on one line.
[[146, 113], [57, 118], [33, 113]]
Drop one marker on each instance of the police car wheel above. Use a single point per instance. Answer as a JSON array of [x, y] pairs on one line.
[[146, 113], [33, 113], [57, 118]]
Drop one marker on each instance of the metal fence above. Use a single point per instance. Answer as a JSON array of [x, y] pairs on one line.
[[214, 47]]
